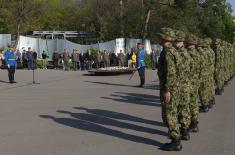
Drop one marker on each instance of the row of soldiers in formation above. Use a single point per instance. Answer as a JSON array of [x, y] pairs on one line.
[[191, 71]]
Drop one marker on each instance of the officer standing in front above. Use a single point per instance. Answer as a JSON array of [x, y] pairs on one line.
[[141, 57], [11, 64]]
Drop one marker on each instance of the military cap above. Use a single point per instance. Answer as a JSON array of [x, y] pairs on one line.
[[216, 41], [191, 39], [208, 41], [222, 43], [167, 34], [201, 42], [180, 36]]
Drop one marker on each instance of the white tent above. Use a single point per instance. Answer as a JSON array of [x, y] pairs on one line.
[[49, 45], [5, 40]]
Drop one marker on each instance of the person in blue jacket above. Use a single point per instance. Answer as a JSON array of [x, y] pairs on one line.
[[141, 57], [11, 63]]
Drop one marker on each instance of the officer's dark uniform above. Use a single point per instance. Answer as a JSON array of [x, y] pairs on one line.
[[10, 60]]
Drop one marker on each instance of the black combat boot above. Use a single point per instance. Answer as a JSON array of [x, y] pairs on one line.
[[194, 127], [213, 101], [220, 92], [174, 145], [210, 105], [203, 108], [185, 134], [217, 91], [142, 81], [226, 83]]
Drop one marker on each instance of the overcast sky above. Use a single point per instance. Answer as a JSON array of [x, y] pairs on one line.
[[232, 2]]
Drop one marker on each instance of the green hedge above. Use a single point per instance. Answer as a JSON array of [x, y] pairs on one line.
[[148, 61], [50, 65]]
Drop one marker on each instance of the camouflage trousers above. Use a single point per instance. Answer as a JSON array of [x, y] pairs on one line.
[[211, 87], [204, 91], [177, 115], [219, 81], [225, 74], [194, 103], [184, 106], [163, 109], [219, 78]]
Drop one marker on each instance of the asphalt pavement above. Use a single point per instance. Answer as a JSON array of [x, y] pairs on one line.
[[70, 113]]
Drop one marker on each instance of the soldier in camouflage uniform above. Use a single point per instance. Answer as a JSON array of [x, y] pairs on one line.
[[168, 72], [211, 72], [222, 64], [204, 74], [226, 65], [162, 72], [184, 84], [194, 76], [230, 62], [218, 66], [233, 62], [223, 43]]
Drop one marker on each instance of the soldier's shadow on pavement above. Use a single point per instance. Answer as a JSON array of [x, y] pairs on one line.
[[1, 81], [93, 123], [153, 87], [120, 116], [135, 98]]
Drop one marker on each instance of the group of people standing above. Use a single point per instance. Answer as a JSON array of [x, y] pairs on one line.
[[25, 59], [191, 72], [80, 61], [87, 60]]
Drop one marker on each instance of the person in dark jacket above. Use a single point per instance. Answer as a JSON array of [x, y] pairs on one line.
[[55, 59], [82, 61], [89, 59], [113, 59], [24, 60], [29, 58], [44, 60], [18, 58]]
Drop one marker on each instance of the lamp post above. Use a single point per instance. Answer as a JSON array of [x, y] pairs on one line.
[[121, 15]]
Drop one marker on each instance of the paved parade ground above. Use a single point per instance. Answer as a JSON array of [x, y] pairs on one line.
[[72, 114]]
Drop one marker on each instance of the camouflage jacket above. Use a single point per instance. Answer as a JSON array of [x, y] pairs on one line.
[[168, 71], [203, 63], [184, 70], [195, 65]]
